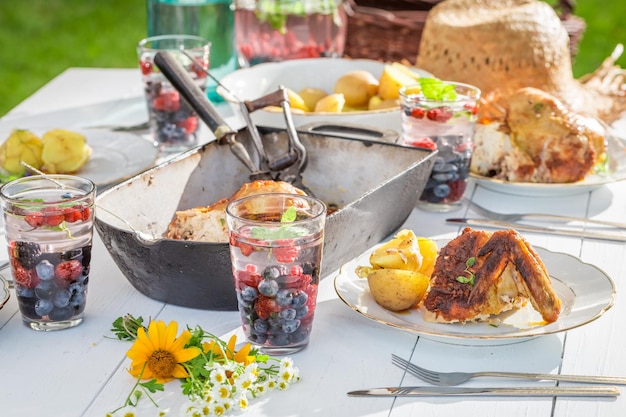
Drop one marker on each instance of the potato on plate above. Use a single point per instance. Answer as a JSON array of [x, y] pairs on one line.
[[396, 289]]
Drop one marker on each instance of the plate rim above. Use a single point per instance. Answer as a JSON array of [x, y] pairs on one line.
[[490, 339], [4, 284]]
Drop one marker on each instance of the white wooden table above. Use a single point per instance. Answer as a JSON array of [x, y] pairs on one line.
[[82, 371]]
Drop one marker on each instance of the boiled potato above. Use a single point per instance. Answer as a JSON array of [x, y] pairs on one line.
[[332, 103], [396, 289], [377, 103], [311, 96], [391, 81], [21, 145], [64, 151], [357, 88], [401, 252], [296, 101], [428, 249]]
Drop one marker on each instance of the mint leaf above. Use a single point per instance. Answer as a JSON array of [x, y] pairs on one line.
[[435, 89], [289, 215]]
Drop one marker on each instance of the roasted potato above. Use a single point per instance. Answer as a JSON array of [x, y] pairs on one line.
[[396, 289], [401, 252]]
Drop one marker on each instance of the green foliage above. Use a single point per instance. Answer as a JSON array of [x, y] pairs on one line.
[[42, 38]]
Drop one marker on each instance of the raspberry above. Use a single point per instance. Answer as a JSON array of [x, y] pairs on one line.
[[52, 216], [418, 113], [25, 277], [69, 270], [34, 219], [265, 306], [71, 214], [287, 252], [247, 278], [440, 114], [424, 142], [167, 101], [146, 67], [85, 213]]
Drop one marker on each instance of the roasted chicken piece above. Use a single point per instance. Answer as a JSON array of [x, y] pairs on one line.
[[208, 224], [480, 274], [537, 140]]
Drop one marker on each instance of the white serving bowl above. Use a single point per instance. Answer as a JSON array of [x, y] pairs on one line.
[[257, 81]]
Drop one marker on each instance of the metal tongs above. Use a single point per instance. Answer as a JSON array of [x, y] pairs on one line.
[[287, 167]]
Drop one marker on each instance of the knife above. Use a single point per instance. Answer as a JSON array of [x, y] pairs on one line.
[[574, 391], [497, 224]]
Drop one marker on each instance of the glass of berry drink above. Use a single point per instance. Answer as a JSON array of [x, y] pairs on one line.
[[276, 243], [49, 230], [441, 116], [173, 123]]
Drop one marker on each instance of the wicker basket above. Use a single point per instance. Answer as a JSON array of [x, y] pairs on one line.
[[394, 33]]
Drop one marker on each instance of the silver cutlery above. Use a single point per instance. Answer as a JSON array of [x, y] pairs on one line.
[[456, 378], [593, 391], [497, 224], [514, 217]]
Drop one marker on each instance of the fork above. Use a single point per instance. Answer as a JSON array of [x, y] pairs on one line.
[[513, 217], [457, 378]]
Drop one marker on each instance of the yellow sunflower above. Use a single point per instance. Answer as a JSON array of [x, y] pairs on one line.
[[241, 356], [159, 354]]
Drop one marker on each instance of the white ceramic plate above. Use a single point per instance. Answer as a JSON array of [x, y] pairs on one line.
[[5, 293], [617, 172], [116, 156], [585, 291], [296, 74]]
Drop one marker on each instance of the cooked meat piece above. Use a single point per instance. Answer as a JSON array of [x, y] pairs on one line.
[[539, 140], [505, 274], [208, 224]]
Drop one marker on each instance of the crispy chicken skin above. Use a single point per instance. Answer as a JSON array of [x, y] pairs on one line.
[[540, 140], [208, 224], [507, 273]]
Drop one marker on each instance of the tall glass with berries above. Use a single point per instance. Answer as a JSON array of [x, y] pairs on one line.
[[49, 229], [276, 243], [441, 116], [173, 123]]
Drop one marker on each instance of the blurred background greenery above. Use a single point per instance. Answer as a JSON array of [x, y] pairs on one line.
[[42, 38]]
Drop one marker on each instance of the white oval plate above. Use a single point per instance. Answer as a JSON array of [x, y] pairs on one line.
[[116, 156], [617, 172], [585, 291]]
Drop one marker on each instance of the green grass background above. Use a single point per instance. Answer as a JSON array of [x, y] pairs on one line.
[[39, 39]]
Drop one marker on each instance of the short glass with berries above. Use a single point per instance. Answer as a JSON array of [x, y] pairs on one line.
[[173, 123], [276, 243], [49, 230], [441, 115]]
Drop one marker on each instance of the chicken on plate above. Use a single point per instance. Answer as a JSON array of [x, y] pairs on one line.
[[480, 274]]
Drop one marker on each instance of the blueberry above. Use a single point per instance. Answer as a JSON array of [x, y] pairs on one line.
[[243, 304], [45, 270], [76, 288], [442, 190], [77, 300], [300, 299], [290, 326], [61, 298], [25, 292], [249, 293], [45, 290], [43, 307], [278, 339], [301, 312], [258, 338], [288, 314], [284, 298], [62, 313], [67, 195], [299, 336], [309, 268], [272, 272], [260, 326], [274, 322], [268, 288]]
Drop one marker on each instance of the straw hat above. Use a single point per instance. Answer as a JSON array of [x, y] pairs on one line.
[[503, 45]]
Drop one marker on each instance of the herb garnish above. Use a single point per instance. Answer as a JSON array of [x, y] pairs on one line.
[[284, 231], [469, 279], [435, 89]]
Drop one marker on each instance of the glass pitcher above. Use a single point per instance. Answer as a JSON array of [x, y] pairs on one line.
[[276, 30]]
